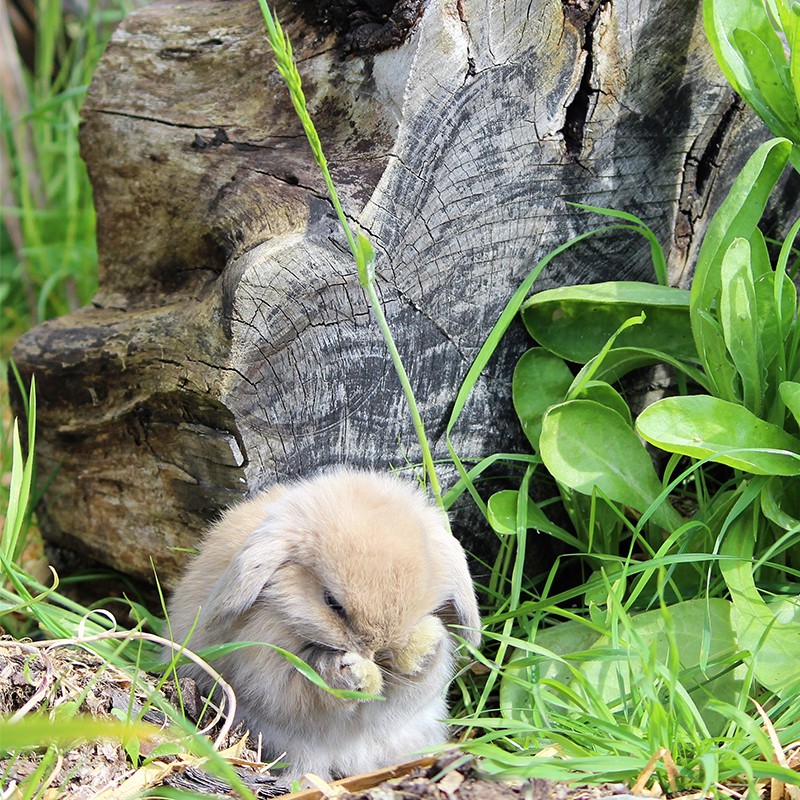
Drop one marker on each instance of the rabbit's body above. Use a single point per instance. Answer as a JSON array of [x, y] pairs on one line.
[[358, 575]]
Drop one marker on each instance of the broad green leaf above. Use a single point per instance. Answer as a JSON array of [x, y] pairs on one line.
[[575, 322], [790, 18], [587, 446], [716, 359], [767, 319], [701, 426], [720, 17], [790, 394], [503, 518], [737, 217], [723, 20], [773, 644], [794, 157], [541, 379], [788, 349], [739, 324], [759, 255], [589, 369], [605, 394], [650, 633], [777, 107]]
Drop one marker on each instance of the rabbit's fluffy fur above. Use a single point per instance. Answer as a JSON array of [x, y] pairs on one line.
[[356, 573]]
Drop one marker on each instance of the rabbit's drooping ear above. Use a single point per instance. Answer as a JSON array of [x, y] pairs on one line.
[[460, 610], [264, 551]]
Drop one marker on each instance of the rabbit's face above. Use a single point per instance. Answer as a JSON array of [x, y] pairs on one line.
[[357, 591]]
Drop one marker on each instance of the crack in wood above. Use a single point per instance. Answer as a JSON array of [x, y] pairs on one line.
[[145, 118], [582, 15], [707, 163], [700, 168], [462, 15]]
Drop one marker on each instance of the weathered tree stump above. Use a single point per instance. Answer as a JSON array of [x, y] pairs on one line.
[[230, 344]]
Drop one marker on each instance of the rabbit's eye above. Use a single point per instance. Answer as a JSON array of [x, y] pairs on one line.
[[334, 605]]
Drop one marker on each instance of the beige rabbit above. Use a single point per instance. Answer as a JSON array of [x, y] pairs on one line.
[[356, 573]]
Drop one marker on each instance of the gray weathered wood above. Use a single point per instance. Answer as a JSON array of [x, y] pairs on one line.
[[229, 343]]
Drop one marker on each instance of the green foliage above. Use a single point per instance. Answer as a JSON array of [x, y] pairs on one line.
[[608, 691], [757, 44], [14, 527], [615, 683], [551, 316], [618, 682], [48, 255], [590, 447], [707, 427], [36, 730]]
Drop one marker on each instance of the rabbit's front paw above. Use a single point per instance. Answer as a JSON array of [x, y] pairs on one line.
[[361, 674], [422, 644]]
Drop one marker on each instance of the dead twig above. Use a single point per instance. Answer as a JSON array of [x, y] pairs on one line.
[[44, 686]]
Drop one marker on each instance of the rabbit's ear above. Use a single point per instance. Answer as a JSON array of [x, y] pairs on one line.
[[460, 609], [249, 571]]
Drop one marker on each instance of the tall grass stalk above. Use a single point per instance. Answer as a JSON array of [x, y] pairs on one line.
[[360, 246]]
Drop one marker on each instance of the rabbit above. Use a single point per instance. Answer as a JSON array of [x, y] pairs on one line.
[[356, 573]]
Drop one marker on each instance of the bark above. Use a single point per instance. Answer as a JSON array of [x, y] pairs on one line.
[[230, 345]]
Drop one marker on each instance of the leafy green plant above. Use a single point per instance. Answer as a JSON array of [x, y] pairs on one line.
[[737, 324], [616, 683], [597, 697], [757, 44]]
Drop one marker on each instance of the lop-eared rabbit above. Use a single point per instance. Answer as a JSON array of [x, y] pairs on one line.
[[359, 575]]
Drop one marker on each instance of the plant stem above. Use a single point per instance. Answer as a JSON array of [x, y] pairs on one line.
[[419, 427], [360, 246]]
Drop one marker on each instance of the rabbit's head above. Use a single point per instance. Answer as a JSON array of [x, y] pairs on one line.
[[353, 562]]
